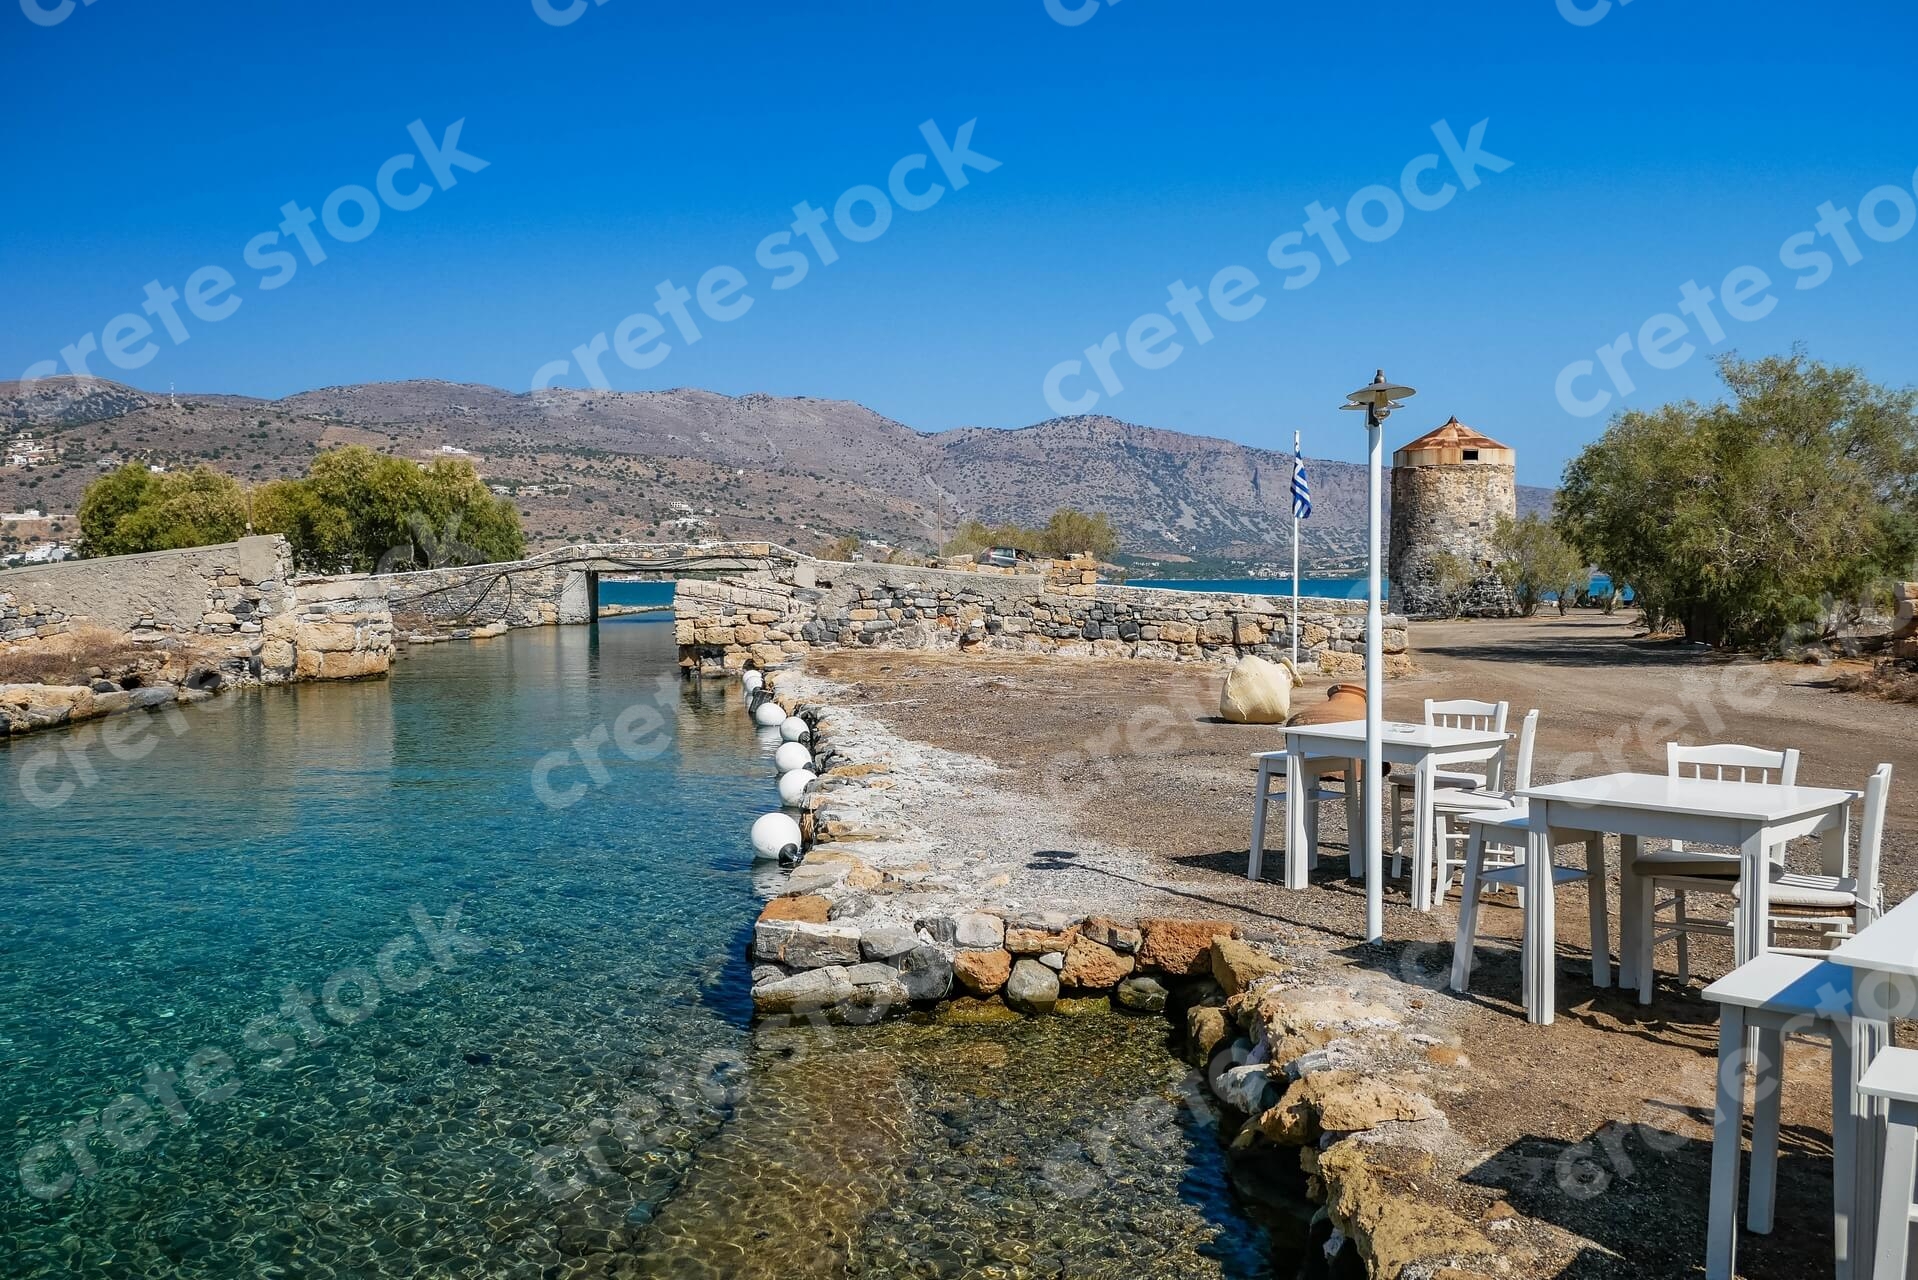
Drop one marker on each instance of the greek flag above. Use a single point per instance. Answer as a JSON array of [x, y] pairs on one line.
[[1301, 490]]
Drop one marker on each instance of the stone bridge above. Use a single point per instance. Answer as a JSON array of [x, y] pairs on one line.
[[563, 585]]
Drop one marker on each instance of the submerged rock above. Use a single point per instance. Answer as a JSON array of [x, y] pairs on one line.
[[927, 973], [1032, 988], [1146, 995], [812, 991]]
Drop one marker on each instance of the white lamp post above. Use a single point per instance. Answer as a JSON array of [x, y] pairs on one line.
[[1377, 399]]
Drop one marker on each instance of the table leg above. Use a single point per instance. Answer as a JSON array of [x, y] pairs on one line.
[[1894, 1192], [1355, 839], [1868, 1036], [1354, 820], [1631, 912], [1754, 902], [1533, 959], [1256, 859], [1295, 854], [1545, 911], [1768, 1105], [1844, 1148], [1422, 861], [1599, 908], [1728, 1123]]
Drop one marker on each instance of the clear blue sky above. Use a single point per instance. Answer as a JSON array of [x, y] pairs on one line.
[[1156, 140]]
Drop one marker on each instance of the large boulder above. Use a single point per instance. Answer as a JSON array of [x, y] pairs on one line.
[[802, 945], [927, 972], [1091, 966], [1236, 964], [815, 990], [1033, 988], [1259, 692], [1182, 948], [982, 972]]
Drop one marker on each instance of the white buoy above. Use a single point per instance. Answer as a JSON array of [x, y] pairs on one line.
[[792, 729], [790, 756], [774, 833], [792, 786], [769, 714], [752, 680]]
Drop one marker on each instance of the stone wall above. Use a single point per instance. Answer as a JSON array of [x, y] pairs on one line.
[[227, 589], [768, 616], [190, 622], [1449, 508]]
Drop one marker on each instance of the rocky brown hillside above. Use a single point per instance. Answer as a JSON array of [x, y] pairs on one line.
[[690, 463]]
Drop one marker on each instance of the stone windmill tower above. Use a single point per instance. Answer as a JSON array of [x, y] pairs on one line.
[[1449, 488]]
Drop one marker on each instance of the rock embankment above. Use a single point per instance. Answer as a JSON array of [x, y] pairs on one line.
[[1338, 1075]]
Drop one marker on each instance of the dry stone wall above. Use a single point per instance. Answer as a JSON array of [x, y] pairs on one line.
[[191, 622], [769, 616]]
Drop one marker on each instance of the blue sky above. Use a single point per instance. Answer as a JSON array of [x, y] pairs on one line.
[[1669, 140]]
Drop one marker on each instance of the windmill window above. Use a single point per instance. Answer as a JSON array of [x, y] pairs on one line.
[[1471, 455]]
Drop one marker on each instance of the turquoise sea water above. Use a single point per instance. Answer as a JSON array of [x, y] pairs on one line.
[[486, 922]]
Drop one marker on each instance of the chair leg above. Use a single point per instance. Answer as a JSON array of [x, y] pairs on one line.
[[1682, 922], [1728, 1123], [1468, 911], [1894, 1204], [1396, 794], [1647, 933], [1597, 909], [1768, 1101]]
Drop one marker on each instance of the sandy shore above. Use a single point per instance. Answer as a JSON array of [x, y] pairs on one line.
[[1112, 786]]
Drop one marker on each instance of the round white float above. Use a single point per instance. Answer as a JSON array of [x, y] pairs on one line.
[[790, 756], [769, 714], [792, 729], [774, 832], [792, 786], [752, 680]]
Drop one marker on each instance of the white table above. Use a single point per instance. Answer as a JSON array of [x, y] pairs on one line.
[[1751, 816], [1883, 960], [1417, 746]]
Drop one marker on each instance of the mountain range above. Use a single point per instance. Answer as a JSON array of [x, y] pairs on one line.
[[687, 463]]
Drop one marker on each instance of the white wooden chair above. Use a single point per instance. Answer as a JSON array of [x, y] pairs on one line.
[[1683, 871], [1893, 1077], [1834, 906], [1509, 829], [1272, 766], [1765, 1000], [1469, 713], [1459, 802]]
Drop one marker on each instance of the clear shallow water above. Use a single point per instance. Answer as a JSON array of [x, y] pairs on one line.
[[582, 1095]]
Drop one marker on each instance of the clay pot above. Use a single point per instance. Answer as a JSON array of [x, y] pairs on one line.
[[1342, 702]]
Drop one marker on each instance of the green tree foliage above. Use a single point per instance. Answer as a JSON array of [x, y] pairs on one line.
[[364, 511], [844, 547], [1069, 532], [133, 509], [356, 510], [1535, 560], [1738, 519]]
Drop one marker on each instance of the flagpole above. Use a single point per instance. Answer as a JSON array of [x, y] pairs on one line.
[[1295, 562]]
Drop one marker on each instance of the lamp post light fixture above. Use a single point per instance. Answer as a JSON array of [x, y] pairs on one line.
[[1376, 399]]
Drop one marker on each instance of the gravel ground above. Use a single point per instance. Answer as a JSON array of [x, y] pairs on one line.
[[1113, 786]]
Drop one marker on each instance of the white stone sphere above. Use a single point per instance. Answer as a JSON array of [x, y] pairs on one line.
[[752, 680], [769, 714], [790, 756], [792, 786], [774, 832], [792, 729]]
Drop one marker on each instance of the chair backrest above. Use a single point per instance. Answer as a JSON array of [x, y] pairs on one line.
[[1871, 835], [1728, 762], [1466, 713], [1527, 739]]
